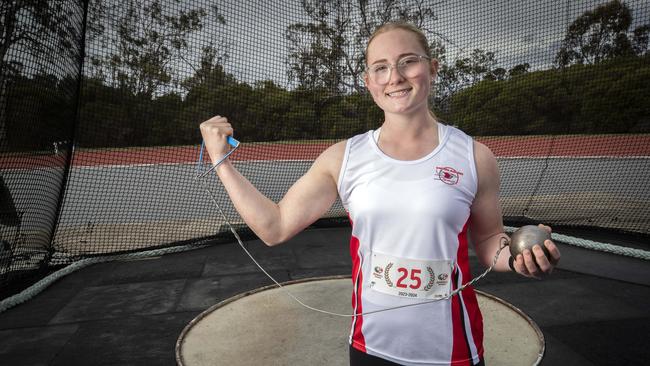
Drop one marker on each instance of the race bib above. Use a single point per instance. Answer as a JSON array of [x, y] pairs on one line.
[[411, 278]]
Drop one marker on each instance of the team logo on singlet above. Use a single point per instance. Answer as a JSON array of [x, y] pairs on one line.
[[378, 272], [447, 175]]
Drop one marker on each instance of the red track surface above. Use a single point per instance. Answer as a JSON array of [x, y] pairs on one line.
[[511, 146]]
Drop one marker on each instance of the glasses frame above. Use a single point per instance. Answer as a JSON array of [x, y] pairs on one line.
[[396, 65]]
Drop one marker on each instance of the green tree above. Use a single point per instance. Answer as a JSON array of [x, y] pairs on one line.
[[609, 97], [326, 60], [144, 62], [327, 51], [148, 39], [39, 111], [35, 30], [601, 34], [104, 115], [465, 72]]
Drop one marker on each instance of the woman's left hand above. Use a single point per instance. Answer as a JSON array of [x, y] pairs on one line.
[[526, 266]]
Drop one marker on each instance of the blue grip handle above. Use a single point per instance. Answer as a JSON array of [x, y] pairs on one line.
[[232, 141]]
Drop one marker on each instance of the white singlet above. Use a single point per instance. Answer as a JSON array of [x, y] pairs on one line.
[[409, 244]]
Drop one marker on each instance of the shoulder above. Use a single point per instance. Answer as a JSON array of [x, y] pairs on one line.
[[486, 165], [329, 161], [483, 153], [483, 156], [333, 153]]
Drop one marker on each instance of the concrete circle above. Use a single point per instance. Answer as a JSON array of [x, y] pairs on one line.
[[266, 326]]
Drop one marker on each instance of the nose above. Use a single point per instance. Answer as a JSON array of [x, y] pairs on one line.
[[395, 76]]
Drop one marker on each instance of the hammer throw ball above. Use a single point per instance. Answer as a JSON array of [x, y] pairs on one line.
[[526, 237]]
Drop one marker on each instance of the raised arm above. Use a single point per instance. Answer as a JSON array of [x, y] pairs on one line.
[[305, 202]]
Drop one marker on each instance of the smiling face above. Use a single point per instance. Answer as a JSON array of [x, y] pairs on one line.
[[401, 95]]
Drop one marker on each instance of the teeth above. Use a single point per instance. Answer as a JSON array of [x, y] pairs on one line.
[[399, 93]]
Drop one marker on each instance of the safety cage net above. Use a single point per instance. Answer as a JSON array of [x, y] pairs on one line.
[[100, 103]]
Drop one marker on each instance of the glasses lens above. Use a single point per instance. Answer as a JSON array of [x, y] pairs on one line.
[[380, 73], [409, 66]]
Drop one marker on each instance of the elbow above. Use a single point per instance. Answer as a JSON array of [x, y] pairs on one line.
[[274, 239], [271, 242], [484, 257], [273, 233]]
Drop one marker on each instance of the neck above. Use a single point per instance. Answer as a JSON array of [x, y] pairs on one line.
[[408, 127], [408, 138]]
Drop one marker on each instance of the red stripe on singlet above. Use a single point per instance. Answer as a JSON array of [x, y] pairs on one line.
[[461, 352], [358, 341]]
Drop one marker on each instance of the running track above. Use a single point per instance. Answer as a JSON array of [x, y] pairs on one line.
[[503, 147]]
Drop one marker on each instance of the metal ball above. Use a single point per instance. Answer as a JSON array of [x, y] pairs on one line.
[[526, 237]]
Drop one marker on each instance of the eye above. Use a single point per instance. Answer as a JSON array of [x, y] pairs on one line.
[[379, 68], [409, 61]]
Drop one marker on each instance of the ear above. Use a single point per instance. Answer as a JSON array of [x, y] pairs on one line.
[[435, 65]]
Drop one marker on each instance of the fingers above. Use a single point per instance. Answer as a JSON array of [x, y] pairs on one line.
[[542, 261], [554, 252], [535, 263], [545, 227], [215, 132], [520, 266], [216, 126], [525, 264], [529, 263]]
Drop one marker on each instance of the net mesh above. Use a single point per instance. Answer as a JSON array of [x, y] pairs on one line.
[[100, 103]]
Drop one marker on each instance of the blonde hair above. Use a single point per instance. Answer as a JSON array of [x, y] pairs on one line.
[[420, 37]]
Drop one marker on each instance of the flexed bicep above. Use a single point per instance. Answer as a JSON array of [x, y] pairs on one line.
[[313, 194]]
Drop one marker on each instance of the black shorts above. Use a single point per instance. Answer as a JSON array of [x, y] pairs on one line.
[[358, 358]]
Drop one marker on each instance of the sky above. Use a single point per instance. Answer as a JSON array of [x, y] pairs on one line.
[[521, 31], [516, 31]]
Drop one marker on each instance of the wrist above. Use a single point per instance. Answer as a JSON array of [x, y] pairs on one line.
[[222, 167]]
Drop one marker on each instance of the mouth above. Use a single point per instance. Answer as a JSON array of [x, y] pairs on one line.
[[399, 93]]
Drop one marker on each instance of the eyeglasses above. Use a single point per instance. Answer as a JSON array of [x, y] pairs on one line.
[[408, 66]]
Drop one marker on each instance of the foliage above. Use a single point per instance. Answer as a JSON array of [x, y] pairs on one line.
[[605, 98], [601, 34], [31, 32], [465, 72], [328, 51], [133, 95], [39, 112], [37, 28], [147, 39]]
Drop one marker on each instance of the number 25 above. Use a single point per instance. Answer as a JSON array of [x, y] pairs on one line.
[[414, 277]]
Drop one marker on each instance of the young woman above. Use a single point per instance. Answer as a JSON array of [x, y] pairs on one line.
[[415, 190]]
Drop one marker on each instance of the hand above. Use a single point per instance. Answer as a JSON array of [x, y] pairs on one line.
[[535, 264], [215, 132]]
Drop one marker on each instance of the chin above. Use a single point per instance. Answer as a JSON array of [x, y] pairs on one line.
[[399, 109]]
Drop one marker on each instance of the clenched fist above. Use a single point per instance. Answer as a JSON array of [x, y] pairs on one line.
[[215, 132]]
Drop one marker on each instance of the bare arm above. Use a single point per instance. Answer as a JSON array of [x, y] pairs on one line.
[[486, 226], [305, 202]]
